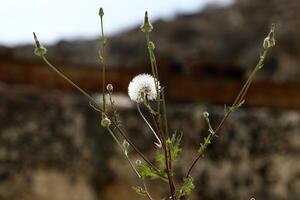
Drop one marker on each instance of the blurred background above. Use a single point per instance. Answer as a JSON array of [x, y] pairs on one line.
[[52, 145]]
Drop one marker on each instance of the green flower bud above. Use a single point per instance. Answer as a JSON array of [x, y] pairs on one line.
[[125, 144], [40, 51], [151, 45], [138, 162], [109, 88], [105, 122], [101, 12], [205, 114], [147, 26]]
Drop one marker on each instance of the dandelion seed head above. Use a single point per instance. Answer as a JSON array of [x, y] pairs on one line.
[[142, 84]]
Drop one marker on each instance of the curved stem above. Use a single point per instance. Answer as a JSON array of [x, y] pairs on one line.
[[159, 144], [91, 99]]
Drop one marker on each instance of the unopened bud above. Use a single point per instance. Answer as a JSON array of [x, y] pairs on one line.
[[151, 45], [105, 122], [147, 26], [40, 51], [205, 114], [109, 88], [101, 12], [125, 144], [138, 162]]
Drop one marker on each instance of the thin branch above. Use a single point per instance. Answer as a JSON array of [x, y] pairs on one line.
[[237, 101], [133, 146]]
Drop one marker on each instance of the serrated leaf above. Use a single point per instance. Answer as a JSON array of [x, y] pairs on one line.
[[186, 188], [174, 145], [146, 171], [160, 158], [203, 146]]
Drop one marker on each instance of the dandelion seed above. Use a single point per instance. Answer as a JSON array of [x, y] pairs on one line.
[[142, 86]]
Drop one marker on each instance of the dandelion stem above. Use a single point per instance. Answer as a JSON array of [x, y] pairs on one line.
[[159, 144]]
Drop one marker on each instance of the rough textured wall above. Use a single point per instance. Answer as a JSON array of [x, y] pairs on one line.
[[52, 147]]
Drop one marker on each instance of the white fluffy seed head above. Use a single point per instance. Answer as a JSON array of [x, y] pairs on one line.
[[142, 84]]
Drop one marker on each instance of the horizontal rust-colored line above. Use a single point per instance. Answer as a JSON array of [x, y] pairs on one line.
[[179, 87]]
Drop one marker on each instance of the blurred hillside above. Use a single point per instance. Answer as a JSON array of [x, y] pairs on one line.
[[219, 40]]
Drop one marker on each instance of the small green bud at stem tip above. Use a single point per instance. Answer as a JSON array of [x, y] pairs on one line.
[[101, 12], [109, 88], [105, 122], [37, 43], [147, 26], [39, 50], [146, 20]]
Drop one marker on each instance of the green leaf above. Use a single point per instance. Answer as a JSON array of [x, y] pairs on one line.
[[203, 146], [140, 191], [146, 171], [186, 188], [174, 145], [160, 158]]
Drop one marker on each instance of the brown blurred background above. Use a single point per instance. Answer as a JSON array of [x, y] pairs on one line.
[[53, 147]]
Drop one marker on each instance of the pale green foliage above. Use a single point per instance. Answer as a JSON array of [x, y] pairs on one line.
[[186, 188], [204, 144], [173, 145], [160, 158], [146, 171]]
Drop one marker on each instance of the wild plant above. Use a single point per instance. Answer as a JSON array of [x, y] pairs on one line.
[[147, 92]]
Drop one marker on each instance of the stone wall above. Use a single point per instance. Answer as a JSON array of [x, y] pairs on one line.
[[52, 147]]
